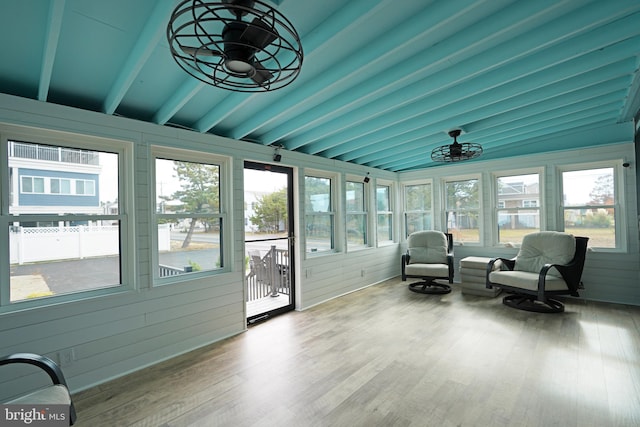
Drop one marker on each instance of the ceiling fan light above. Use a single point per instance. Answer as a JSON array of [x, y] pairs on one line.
[[239, 68]]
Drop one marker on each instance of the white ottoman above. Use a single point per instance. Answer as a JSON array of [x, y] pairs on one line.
[[473, 275]]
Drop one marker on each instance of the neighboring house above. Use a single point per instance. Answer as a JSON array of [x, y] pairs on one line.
[[519, 195], [53, 180]]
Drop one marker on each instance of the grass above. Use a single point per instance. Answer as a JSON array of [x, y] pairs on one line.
[[598, 237]]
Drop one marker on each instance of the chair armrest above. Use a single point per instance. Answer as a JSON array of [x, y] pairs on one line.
[[510, 263], [450, 265], [405, 258], [49, 366], [567, 271], [42, 362], [404, 262]]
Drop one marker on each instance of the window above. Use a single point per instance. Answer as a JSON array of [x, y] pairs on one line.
[[84, 187], [518, 212], [384, 223], [32, 184], [188, 217], [589, 205], [356, 215], [60, 186], [319, 215], [61, 244], [417, 208], [37, 185], [462, 210]]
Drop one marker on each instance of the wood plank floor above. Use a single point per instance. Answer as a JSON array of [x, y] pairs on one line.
[[385, 356]]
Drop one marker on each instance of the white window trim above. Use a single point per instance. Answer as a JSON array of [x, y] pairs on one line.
[[47, 186], [224, 188], [124, 149], [392, 205], [540, 171], [403, 197], [335, 207], [61, 192], [619, 184], [366, 187], [481, 213]]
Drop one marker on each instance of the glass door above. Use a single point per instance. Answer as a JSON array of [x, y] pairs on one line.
[[268, 227]]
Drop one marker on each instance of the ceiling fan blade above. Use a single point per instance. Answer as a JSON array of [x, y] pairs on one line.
[[200, 51], [262, 75], [259, 34]]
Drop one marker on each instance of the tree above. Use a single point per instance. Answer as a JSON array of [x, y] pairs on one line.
[[602, 192], [314, 187], [463, 203], [270, 210], [418, 197], [199, 193]]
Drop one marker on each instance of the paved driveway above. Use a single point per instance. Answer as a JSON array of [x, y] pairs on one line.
[[73, 276], [91, 273]]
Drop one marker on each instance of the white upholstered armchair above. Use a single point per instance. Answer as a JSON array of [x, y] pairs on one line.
[[549, 263], [429, 257]]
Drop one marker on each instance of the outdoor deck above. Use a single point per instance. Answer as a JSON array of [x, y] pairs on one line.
[[265, 304]]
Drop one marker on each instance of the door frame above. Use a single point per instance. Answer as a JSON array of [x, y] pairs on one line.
[[289, 171]]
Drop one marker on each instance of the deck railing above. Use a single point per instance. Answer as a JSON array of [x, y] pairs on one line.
[[268, 275], [167, 270], [53, 154]]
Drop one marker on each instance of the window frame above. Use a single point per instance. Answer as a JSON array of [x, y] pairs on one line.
[[389, 213], [361, 213], [125, 215], [224, 180], [540, 171], [331, 214], [32, 179], [620, 219], [61, 189], [406, 211], [480, 209]]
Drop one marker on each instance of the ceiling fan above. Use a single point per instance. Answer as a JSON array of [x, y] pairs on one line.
[[241, 45], [456, 152]]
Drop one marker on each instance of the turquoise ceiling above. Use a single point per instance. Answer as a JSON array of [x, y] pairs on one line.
[[382, 80]]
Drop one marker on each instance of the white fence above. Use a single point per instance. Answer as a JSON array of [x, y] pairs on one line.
[[39, 244], [59, 243]]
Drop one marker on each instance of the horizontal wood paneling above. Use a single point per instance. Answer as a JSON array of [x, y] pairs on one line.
[[324, 277], [116, 334]]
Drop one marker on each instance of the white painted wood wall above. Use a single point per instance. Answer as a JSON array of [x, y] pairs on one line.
[[116, 334]]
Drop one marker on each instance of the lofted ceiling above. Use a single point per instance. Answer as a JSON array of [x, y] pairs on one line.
[[381, 83]]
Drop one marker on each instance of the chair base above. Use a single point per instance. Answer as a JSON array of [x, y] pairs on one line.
[[429, 287], [530, 303]]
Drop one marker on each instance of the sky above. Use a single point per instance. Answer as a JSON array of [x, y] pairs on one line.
[[264, 181], [581, 182], [258, 181]]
